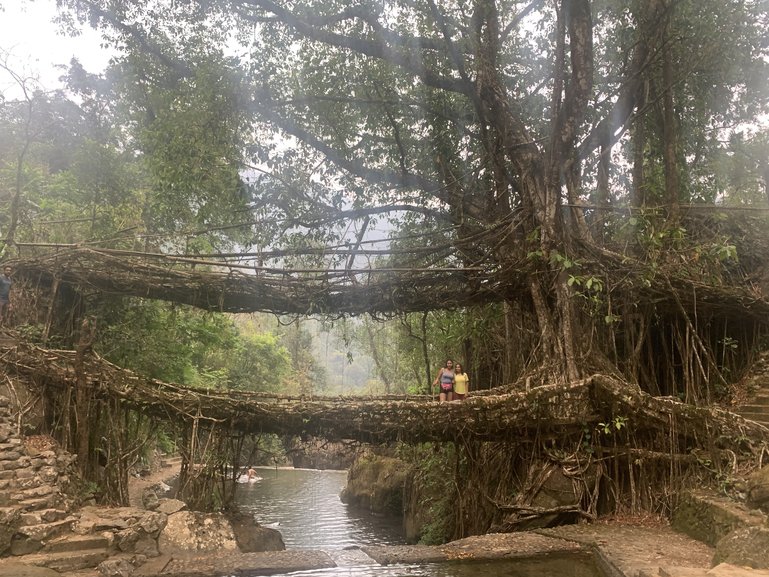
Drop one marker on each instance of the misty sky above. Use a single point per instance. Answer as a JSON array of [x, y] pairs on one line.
[[32, 46]]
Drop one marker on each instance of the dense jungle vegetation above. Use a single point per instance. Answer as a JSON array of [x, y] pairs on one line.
[[602, 165]]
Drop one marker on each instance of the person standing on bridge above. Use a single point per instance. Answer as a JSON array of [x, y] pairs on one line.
[[5, 294], [445, 382], [461, 382]]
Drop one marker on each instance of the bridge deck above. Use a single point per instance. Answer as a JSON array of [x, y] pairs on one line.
[[548, 410]]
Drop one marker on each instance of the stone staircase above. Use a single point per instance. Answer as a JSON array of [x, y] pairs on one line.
[[71, 553], [35, 519], [756, 405]]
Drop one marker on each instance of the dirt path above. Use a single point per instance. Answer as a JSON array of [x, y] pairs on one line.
[[168, 470]]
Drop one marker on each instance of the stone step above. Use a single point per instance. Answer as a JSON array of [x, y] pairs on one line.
[[73, 543], [37, 503], [68, 561], [42, 516], [43, 531], [761, 400], [34, 492]]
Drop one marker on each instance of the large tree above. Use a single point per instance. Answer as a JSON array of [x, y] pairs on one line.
[[508, 129]]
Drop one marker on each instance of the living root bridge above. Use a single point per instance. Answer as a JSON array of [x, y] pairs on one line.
[[223, 286], [552, 411], [231, 287]]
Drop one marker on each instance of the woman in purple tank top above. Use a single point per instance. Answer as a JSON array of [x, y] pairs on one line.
[[445, 382]]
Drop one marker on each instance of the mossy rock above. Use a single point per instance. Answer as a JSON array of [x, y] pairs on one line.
[[709, 518], [376, 483], [746, 547]]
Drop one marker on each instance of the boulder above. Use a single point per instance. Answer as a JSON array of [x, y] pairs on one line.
[[116, 568], [137, 541], [150, 500], [121, 566], [171, 506], [253, 538], [10, 521], [708, 517], [758, 489], [747, 547], [190, 531], [558, 490], [315, 453], [376, 483]]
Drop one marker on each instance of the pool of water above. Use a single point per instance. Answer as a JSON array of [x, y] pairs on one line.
[[304, 506]]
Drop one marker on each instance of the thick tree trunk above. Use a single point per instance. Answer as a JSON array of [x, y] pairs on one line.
[[83, 404], [670, 136]]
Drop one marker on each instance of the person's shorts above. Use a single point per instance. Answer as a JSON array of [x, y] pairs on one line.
[[449, 390]]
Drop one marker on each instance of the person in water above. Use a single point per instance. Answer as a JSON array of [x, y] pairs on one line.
[[461, 382], [251, 473], [445, 381]]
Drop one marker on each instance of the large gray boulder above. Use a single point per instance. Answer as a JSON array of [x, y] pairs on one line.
[[194, 532], [252, 537], [746, 547], [375, 483], [10, 521], [758, 489]]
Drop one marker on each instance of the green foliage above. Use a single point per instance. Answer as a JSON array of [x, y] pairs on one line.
[[615, 425], [260, 363], [433, 482], [159, 340], [165, 443], [303, 129], [307, 376], [193, 150]]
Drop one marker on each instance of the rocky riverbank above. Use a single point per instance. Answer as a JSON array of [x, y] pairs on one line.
[[619, 549]]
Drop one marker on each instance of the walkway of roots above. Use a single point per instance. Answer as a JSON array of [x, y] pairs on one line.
[[562, 409], [238, 285]]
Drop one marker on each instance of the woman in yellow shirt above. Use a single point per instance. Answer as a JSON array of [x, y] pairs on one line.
[[461, 382]]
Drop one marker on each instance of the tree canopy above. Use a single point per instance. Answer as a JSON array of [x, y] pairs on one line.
[[558, 152]]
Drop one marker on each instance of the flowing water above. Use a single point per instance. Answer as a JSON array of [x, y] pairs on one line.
[[304, 506]]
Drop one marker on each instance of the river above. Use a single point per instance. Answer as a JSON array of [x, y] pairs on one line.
[[304, 506]]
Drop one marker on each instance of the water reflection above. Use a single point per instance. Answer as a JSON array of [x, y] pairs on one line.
[[304, 506]]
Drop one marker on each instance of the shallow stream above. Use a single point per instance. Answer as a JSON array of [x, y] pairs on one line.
[[304, 506]]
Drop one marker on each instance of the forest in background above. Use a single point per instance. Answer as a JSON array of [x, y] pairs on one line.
[[601, 167]]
